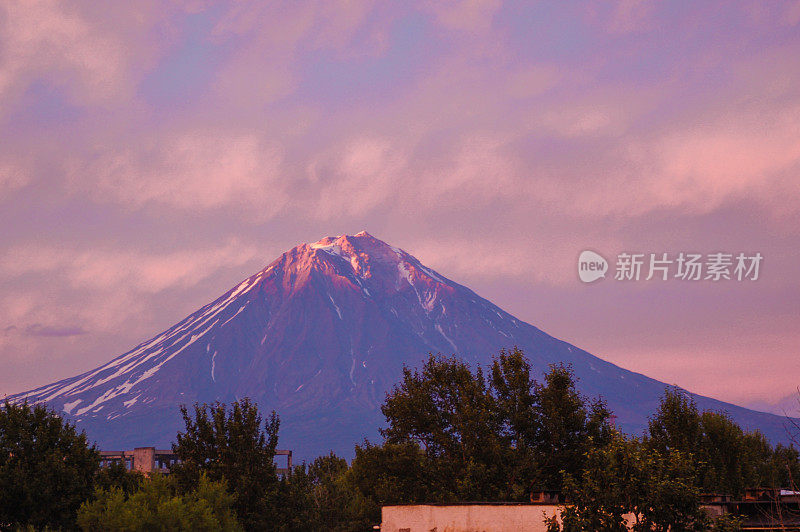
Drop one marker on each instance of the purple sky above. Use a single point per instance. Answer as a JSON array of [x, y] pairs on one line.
[[152, 156]]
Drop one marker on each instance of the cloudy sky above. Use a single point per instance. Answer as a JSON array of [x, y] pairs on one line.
[[152, 155]]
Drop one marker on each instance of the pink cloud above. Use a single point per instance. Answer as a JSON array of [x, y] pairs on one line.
[[495, 144], [74, 48], [12, 178], [203, 169], [728, 161], [464, 15], [631, 16], [356, 178], [480, 169], [100, 269], [255, 76], [792, 16]]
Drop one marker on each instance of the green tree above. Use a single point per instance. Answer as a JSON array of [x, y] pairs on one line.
[[768, 466], [567, 426], [726, 458], [393, 473], [447, 410], [625, 477], [323, 496], [671, 498], [676, 424], [516, 400], [722, 456], [784, 469], [47, 468], [233, 444], [466, 436], [297, 497], [341, 505], [548, 427], [158, 506], [604, 490], [116, 475]]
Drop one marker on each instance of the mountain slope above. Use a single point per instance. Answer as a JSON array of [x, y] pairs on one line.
[[319, 336]]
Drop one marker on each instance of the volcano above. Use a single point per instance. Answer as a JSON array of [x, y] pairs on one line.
[[319, 336]]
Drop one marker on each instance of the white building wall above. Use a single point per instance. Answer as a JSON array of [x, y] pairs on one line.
[[467, 518]]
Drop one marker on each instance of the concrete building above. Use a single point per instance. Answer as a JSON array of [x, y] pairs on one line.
[[469, 517], [143, 459], [759, 509], [150, 459]]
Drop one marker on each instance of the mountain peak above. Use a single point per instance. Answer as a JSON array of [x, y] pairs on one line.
[[320, 336], [361, 250], [362, 237]]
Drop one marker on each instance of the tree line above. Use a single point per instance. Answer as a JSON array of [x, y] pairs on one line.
[[452, 434]]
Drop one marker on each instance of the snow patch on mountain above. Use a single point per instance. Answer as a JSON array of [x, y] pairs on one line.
[[69, 406], [449, 340], [332, 249], [130, 402], [338, 310], [237, 313], [352, 366]]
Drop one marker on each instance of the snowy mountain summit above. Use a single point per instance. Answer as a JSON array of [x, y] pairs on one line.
[[319, 336]]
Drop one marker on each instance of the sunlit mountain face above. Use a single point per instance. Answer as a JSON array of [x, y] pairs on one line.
[[320, 335]]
